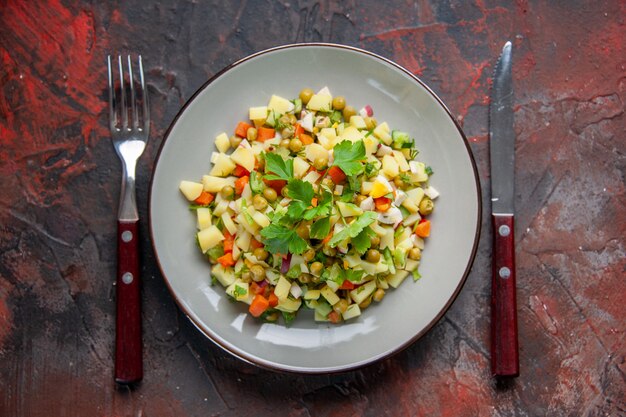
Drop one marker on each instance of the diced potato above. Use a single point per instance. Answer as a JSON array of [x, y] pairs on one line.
[[223, 165], [382, 132], [351, 312], [386, 240], [366, 187], [282, 288], [358, 122], [329, 132], [236, 252], [396, 279], [221, 208], [348, 210], [228, 223], [280, 105], [418, 171], [330, 295], [312, 294], [209, 238], [415, 195], [403, 165], [320, 102], [258, 113], [352, 134], [214, 184], [203, 215], [314, 151], [410, 206], [239, 290], [312, 177], [222, 143], [225, 276], [288, 305], [243, 156], [300, 167], [261, 219], [191, 190], [411, 265], [371, 145], [390, 166], [359, 294]]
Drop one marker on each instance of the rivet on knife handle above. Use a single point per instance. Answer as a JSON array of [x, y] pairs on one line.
[[504, 348]]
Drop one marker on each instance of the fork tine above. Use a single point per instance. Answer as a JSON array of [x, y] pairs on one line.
[[112, 114], [144, 99], [123, 102], [133, 98]]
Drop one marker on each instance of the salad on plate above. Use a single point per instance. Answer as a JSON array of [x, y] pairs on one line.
[[312, 204]]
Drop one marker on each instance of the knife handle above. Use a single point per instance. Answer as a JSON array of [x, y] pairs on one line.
[[128, 346], [504, 347]]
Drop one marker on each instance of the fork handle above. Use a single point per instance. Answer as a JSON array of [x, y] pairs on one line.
[[128, 345]]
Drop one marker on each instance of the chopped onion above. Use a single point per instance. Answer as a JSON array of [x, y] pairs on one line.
[[367, 204], [384, 150]]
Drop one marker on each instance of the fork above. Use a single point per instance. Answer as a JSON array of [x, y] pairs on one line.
[[130, 128]]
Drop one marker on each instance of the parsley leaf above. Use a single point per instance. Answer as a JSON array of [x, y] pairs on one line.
[[300, 190], [348, 157], [362, 242], [239, 291], [296, 209], [322, 209], [354, 275], [289, 316], [429, 170], [321, 228], [354, 228], [277, 168], [280, 239]]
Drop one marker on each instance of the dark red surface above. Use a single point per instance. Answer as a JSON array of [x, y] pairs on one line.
[[60, 186], [128, 347], [504, 346]]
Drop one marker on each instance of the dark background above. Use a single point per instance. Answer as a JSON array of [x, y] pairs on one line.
[[61, 178]]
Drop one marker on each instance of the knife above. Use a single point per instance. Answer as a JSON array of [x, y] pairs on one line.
[[504, 345]]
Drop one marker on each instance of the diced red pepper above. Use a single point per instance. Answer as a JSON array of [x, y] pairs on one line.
[[240, 171], [240, 184], [336, 174], [204, 199], [347, 285]]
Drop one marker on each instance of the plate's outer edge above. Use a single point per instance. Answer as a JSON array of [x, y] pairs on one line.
[[335, 369]]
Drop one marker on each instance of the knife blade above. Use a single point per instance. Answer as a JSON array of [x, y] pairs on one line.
[[504, 341]]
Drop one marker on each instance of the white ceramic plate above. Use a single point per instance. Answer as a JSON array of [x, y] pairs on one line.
[[397, 97]]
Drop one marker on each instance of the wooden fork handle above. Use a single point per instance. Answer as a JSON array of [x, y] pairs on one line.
[[128, 345], [504, 347]]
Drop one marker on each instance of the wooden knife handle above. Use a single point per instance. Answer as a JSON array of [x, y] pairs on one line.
[[128, 346], [504, 347]]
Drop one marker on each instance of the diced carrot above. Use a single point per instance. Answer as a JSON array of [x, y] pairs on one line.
[[327, 238], [226, 260], [205, 198], [334, 317], [242, 129], [382, 203], [259, 305], [255, 244], [265, 133], [347, 285], [299, 130], [240, 171], [256, 288], [277, 185], [314, 202], [229, 241], [241, 183], [423, 228], [273, 300], [336, 174], [306, 139]]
